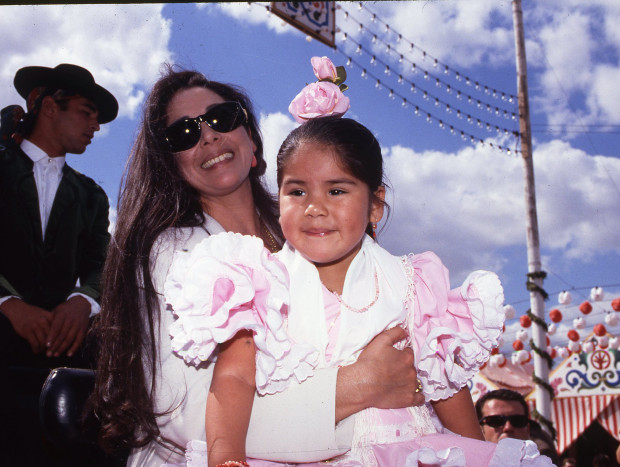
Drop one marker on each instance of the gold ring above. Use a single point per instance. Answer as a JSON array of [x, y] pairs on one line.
[[419, 388]]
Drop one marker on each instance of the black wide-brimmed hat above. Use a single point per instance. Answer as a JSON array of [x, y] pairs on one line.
[[69, 77]]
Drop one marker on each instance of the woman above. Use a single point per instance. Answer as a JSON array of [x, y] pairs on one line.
[[195, 170]]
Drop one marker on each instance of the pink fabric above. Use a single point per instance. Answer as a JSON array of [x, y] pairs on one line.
[[230, 282]]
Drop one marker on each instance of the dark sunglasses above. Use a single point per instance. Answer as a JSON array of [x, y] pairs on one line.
[[495, 421], [223, 118]]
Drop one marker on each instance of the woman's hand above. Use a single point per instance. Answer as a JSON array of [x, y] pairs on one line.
[[382, 377]]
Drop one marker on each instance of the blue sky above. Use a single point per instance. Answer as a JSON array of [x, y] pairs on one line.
[[463, 201]]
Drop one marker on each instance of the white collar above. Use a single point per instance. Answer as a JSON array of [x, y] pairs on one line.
[[36, 154]]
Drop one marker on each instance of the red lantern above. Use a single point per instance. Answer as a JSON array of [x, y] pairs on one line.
[[517, 345], [600, 330], [553, 353], [525, 321], [494, 351], [555, 315], [585, 307], [548, 341], [573, 335], [615, 304]]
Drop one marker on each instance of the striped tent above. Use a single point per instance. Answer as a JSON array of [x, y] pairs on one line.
[[587, 389]]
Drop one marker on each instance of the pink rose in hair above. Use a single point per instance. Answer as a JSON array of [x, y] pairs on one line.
[[324, 68], [317, 100]]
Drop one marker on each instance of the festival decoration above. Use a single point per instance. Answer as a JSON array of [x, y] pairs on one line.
[[555, 315], [551, 329], [563, 352], [588, 346], [600, 330], [522, 335], [579, 323], [574, 347], [611, 319], [603, 341], [525, 321], [585, 307], [565, 298], [517, 345], [509, 311], [596, 294], [573, 335], [615, 304], [614, 342]]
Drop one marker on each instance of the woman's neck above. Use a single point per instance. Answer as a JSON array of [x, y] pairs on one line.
[[235, 212]]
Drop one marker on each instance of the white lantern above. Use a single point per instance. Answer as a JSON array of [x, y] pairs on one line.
[[551, 329], [603, 341], [588, 347], [509, 311], [611, 319], [574, 346], [596, 294], [522, 335], [579, 323], [563, 352], [565, 298], [614, 342]]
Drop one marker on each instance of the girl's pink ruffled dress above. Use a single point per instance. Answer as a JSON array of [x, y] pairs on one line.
[[230, 282]]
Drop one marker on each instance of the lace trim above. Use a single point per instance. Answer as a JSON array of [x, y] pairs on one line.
[[410, 273]]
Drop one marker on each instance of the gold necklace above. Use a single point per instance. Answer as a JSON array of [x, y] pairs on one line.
[[359, 310], [268, 239]]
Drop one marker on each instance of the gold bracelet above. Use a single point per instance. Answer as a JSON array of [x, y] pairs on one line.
[[233, 464]]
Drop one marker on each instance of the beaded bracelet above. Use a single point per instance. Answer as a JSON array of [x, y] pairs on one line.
[[233, 464]]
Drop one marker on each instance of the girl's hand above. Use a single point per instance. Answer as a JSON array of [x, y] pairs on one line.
[[382, 377]]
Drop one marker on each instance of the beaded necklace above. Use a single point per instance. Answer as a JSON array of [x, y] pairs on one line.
[[359, 310]]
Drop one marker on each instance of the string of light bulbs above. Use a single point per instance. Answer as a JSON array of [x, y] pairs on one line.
[[430, 117], [496, 93], [429, 96]]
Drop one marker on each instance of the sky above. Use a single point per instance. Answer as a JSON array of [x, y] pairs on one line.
[[463, 200]]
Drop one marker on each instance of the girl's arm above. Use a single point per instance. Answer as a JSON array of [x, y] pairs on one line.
[[458, 414], [229, 403]]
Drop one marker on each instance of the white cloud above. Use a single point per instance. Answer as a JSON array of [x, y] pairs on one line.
[[122, 45], [468, 206]]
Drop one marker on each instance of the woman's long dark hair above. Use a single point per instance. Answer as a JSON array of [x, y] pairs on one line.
[[153, 197]]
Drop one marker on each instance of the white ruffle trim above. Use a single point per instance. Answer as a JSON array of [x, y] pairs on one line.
[[516, 453], [227, 283], [466, 352]]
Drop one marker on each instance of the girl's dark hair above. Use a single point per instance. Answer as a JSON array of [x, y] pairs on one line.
[[153, 197], [357, 148]]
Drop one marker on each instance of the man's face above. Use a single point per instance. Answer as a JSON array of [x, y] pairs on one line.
[[507, 429], [75, 126]]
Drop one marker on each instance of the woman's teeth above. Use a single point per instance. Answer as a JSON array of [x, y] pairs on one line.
[[215, 160]]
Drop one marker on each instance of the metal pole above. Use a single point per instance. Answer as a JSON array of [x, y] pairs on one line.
[[541, 367]]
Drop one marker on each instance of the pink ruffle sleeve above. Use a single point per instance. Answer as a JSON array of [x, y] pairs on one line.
[[227, 283], [452, 331]]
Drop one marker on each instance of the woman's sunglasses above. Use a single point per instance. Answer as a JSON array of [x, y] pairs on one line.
[[223, 118], [496, 421]]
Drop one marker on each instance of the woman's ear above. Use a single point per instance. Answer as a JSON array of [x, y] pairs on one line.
[[377, 204]]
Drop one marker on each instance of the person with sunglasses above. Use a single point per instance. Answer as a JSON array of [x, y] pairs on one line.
[[195, 170], [503, 413]]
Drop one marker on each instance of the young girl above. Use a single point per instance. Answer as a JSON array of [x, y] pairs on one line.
[[344, 290]]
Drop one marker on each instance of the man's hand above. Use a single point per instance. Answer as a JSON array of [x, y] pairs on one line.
[[69, 326], [382, 377], [29, 321]]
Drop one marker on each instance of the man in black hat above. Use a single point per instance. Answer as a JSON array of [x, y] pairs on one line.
[[53, 220]]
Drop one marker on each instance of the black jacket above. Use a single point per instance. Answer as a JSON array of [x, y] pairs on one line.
[[45, 273]]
